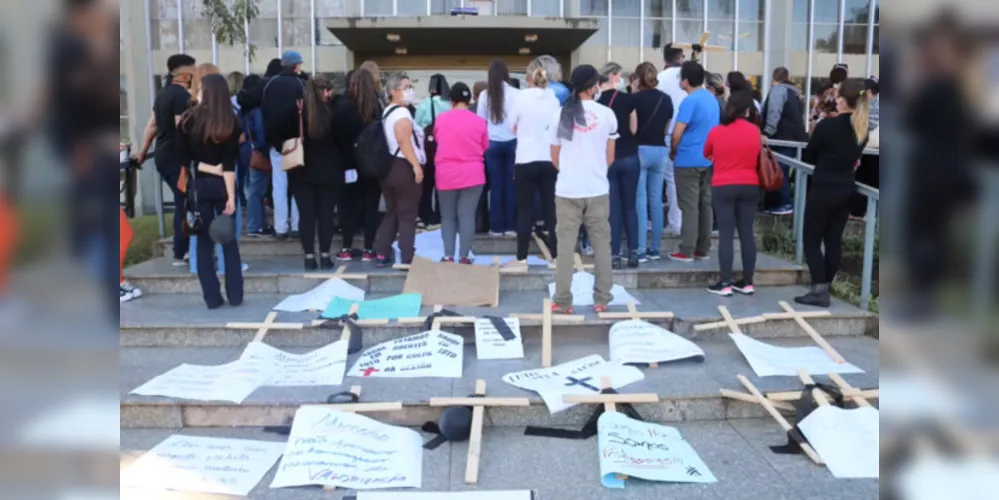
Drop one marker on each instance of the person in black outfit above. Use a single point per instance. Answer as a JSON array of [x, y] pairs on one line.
[[208, 144], [624, 172], [316, 184], [835, 148], [359, 199], [430, 212]]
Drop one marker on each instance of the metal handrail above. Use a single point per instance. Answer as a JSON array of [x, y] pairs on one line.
[[802, 145]]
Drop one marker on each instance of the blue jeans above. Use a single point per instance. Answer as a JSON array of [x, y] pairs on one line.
[[649, 197], [502, 196], [782, 198], [219, 249], [623, 175], [180, 243], [257, 189]]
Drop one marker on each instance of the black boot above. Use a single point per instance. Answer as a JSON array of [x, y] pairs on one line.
[[310, 263], [325, 263], [817, 297]]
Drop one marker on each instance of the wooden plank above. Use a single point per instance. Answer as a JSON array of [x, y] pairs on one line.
[[796, 395], [856, 396], [475, 439], [749, 398], [364, 407], [721, 324], [817, 394], [556, 318], [546, 334], [803, 314], [504, 402], [593, 399], [340, 273], [545, 251], [769, 407], [813, 334], [733, 326], [634, 313]]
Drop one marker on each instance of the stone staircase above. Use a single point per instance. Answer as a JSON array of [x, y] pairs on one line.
[[171, 326]]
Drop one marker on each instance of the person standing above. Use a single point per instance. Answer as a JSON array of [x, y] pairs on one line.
[[426, 116], [496, 106], [835, 147], [258, 180], [316, 184], [783, 118], [208, 144], [534, 173], [360, 195], [669, 83], [463, 139], [625, 172], [402, 184], [716, 85], [734, 148], [655, 113], [697, 116], [582, 136]]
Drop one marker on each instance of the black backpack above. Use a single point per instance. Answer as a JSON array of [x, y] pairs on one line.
[[371, 149]]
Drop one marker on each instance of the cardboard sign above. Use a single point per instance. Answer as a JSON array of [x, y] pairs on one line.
[[489, 344], [231, 382], [647, 451], [334, 448], [322, 367], [454, 495], [320, 297], [768, 360], [428, 354], [406, 305], [203, 465], [582, 291], [581, 376], [636, 341], [846, 440], [449, 284]]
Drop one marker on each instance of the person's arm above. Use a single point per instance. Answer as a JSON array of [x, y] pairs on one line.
[[612, 137], [423, 113], [683, 117], [183, 147], [611, 146], [229, 157], [404, 136], [815, 143], [675, 142], [670, 111], [554, 141], [633, 122], [775, 106], [514, 117], [147, 140], [709, 146], [485, 139]]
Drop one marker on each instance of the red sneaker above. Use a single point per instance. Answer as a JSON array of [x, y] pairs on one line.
[[558, 310], [466, 261], [447, 260], [344, 255], [680, 257], [599, 309], [368, 256]]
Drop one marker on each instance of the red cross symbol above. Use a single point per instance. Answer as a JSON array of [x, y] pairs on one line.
[[368, 371]]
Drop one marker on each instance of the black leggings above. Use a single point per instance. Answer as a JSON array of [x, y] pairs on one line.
[[826, 213], [735, 207], [531, 179], [316, 204], [359, 207]]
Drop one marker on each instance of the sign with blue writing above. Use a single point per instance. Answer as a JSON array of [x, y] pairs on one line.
[[646, 451]]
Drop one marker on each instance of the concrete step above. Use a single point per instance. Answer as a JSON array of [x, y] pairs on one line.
[[285, 275], [181, 320], [688, 390], [735, 452]]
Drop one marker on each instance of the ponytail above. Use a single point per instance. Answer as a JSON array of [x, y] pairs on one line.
[[860, 119], [538, 77]]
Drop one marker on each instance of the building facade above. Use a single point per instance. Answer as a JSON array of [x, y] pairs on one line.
[[420, 37]]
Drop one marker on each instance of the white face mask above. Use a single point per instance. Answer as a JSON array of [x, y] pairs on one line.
[[621, 84], [596, 96], [409, 96]]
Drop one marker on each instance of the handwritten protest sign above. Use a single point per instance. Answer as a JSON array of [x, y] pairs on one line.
[[647, 451], [490, 344], [454, 495], [582, 291], [768, 360], [406, 305], [333, 448], [428, 354], [229, 382], [324, 366], [203, 464], [637, 341], [582, 376], [320, 297], [846, 440]]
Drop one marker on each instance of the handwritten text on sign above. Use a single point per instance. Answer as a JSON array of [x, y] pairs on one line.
[[324, 366], [490, 344], [428, 354], [232, 382], [847, 440], [768, 360], [647, 451], [582, 376], [637, 341], [203, 464], [333, 448]]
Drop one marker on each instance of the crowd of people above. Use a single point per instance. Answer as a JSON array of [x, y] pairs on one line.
[[605, 163]]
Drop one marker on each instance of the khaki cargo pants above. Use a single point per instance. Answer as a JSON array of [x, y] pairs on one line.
[[594, 214]]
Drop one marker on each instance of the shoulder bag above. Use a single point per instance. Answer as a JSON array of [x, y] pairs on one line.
[[769, 171]]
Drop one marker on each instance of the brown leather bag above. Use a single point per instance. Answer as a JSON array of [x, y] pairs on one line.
[[770, 173], [259, 160]]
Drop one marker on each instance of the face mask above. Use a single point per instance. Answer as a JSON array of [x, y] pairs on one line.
[[597, 94], [621, 84], [409, 96]]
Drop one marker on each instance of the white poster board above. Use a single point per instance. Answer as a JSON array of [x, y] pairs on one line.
[[767, 360], [846, 440], [231, 382], [932, 477], [646, 451], [637, 341], [428, 354], [490, 344], [582, 291], [203, 464], [322, 367], [320, 297], [334, 448], [582, 376], [454, 495]]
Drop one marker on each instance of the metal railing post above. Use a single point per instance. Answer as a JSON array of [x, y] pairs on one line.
[[985, 260], [870, 234], [799, 230]]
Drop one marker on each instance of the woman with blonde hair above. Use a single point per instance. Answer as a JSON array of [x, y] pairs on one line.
[[376, 73], [623, 174], [655, 111], [200, 73]]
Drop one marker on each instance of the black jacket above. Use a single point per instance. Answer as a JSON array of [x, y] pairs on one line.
[[323, 161], [834, 150], [279, 105], [784, 114], [347, 125]]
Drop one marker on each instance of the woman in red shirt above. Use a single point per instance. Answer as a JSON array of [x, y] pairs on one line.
[[734, 147]]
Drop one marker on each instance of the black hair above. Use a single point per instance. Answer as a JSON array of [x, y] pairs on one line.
[[872, 85], [497, 77], [839, 73], [438, 86], [738, 106], [178, 61], [693, 73], [671, 55], [273, 68], [460, 93], [737, 81], [251, 81]]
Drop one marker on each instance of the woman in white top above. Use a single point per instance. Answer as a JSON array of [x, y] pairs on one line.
[[534, 174], [496, 107], [401, 187]]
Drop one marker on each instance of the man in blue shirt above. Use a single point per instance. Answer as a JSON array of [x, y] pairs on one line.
[[698, 114]]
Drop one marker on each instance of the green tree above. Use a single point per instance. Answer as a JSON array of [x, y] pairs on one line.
[[229, 19]]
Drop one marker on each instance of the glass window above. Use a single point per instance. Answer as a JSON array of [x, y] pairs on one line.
[[750, 37], [722, 33], [377, 7], [800, 11], [855, 39], [415, 7], [123, 134], [657, 34], [163, 26], [689, 31], [197, 31], [264, 29], [877, 39], [600, 37], [122, 96], [721, 9], [659, 8], [826, 38], [510, 7], [626, 8], [541, 8], [593, 7], [751, 10], [626, 32], [296, 32], [690, 9], [799, 37], [826, 11]]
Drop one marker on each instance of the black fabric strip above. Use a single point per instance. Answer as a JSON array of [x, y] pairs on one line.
[[280, 430], [590, 428], [504, 329], [429, 322], [438, 440], [356, 333], [794, 441]]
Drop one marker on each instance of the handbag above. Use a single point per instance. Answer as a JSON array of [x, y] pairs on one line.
[[192, 217], [259, 160], [769, 171], [292, 152]]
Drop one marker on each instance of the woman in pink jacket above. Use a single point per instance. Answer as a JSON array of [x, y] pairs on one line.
[[462, 141]]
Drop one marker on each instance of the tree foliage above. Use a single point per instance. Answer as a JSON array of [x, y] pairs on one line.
[[229, 20]]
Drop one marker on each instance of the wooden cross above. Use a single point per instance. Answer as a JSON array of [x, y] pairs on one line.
[[749, 398], [577, 264], [817, 394], [438, 321], [703, 44], [263, 328], [768, 405], [799, 317], [634, 314], [478, 405], [359, 322], [859, 397], [728, 321], [340, 273], [547, 318]]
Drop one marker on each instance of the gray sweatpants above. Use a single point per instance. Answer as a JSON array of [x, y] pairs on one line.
[[458, 216]]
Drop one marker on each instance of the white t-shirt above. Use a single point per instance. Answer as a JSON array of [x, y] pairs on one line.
[[582, 162], [669, 83], [499, 132], [531, 117], [388, 121]]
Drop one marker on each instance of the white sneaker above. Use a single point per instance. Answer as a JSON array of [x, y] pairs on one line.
[[127, 292], [495, 233], [671, 231], [512, 234]]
